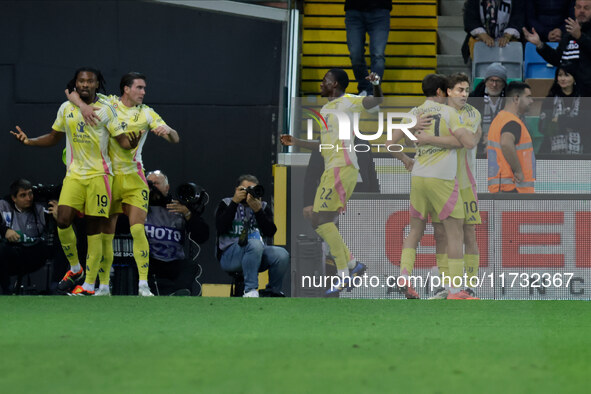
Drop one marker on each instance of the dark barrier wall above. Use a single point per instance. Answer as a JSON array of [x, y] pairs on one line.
[[213, 77]]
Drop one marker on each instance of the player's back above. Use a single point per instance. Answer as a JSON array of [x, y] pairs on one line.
[[433, 161]]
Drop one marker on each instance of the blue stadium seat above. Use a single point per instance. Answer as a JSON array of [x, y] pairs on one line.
[[534, 65], [510, 56]]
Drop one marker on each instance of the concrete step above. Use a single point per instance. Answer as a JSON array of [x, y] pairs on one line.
[[451, 7], [449, 64], [452, 70], [451, 21], [450, 41], [450, 61]]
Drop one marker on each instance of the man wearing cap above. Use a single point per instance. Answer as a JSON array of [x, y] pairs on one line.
[[492, 89]]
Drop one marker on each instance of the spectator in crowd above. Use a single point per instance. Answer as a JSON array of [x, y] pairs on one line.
[[23, 227], [372, 17], [574, 47], [547, 17], [492, 90], [494, 22], [511, 159], [559, 119], [172, 225], [242, 221]]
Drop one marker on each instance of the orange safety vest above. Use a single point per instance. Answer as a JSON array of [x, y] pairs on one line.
[[500, 174]]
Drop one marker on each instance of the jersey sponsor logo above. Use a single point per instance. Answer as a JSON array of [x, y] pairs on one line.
[[324, 205], [123, 125], [71, 115], [80, 127], [102, 211]]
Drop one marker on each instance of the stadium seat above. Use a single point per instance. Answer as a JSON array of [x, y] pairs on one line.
[[534, 66], [540, 87], [510, 56]]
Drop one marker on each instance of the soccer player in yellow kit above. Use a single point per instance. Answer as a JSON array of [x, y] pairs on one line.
[[340, 170], [434, 188], [87, 185], [457, 92], [130, 187]]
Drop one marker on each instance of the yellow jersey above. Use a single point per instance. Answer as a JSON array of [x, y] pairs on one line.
[[131, 119], [471, 119], [87, 146], [433, 161]]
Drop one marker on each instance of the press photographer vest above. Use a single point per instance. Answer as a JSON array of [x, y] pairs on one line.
[[241, 218], [166, 233], [28, 224]]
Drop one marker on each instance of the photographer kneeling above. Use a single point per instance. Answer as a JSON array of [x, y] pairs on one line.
[[23, 230], [242, 221], [168, 226]]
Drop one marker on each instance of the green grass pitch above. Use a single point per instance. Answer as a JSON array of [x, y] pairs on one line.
[[222, 345]]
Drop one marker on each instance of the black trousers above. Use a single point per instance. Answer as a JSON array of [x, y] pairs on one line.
[[16, 259], [166, 277]]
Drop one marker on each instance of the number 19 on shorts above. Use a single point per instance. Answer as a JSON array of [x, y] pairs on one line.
[[102, 200]]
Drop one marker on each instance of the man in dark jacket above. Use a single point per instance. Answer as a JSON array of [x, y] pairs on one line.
[[494, 22], [23, 227], [242, 221], [575, 45], [547, 17]]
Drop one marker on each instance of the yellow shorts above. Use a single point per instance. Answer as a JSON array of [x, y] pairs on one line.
[[471, 212], [91, 196], [335, 189], [470, 200], [130, 189], [439, 197]]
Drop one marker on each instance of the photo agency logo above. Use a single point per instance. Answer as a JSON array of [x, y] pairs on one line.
[[343, 120]]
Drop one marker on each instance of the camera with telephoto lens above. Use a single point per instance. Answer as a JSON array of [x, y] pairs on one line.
[[193, 197], [257, 191]]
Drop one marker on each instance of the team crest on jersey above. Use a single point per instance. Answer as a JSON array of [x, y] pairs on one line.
[[80, 127], [136, 117]]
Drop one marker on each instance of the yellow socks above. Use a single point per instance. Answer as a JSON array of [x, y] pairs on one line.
[[407, 261], [93, 258], [442, 264], [141, 250], [456, 269], [471, 262], [330, 234], [68, 240], [107, 261]]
